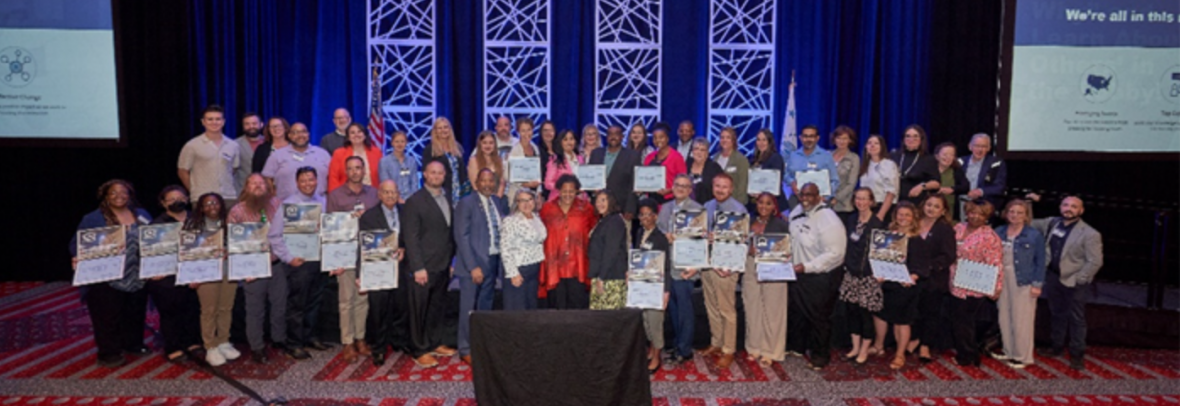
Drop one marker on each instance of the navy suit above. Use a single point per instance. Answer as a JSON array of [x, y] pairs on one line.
[[473, 241], [992, 180]]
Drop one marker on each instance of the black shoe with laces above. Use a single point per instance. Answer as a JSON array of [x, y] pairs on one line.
[[318, 345], [259, 357]]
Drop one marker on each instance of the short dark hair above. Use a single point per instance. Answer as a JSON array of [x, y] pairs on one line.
[[843, 130], [648, 203], [172, 188], [809, 127], [212, 108], [661, 126], [249, 114], [299, 172], [350, 158], [567, 178]]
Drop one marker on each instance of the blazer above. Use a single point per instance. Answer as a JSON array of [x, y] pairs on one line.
[[931, 257], [1081, 256], [703, 191], [608, 249], [426, 233], [621, 179], [992, 180], [373, 219], [472, 237], [738, 168]]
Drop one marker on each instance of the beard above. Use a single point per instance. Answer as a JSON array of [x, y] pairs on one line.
[[255, 202], [253, 133]]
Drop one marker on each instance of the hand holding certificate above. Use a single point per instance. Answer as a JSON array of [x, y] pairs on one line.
[[976, 277], [645, 280], [690, 253], [157, 249], [100, 255], [775, 272], [887, 256], [200, 257], [764, 181], [820, 178], [524, 169], [650, 178], [339, 232], [249, 251], [378, 267], [729, 256], [592, 177]]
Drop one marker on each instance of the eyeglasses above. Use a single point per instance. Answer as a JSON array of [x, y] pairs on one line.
[[681, 185], [211, 203]]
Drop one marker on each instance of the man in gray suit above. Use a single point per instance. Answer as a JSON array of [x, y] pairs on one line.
[[477, 237], [1075, 256]]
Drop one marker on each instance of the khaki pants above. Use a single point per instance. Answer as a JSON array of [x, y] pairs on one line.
[[354, 308], [217, 306], [653, 325], [1017, 317], [766, 315], [721, 308]]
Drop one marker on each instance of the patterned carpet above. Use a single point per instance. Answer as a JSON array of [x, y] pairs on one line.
[[47, 358]]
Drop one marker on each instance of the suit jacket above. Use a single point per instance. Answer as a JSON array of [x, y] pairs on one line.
[[993, 178], [608, 249], [620, 181], [472, 237], [1081, 255], [374, 220], [426, 233]]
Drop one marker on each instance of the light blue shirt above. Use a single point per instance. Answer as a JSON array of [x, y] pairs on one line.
[[275, 234], [730, 205], [405, 174], [819, 159], [391, 217]]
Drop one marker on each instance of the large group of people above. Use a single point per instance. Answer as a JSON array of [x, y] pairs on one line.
[[550, 244]]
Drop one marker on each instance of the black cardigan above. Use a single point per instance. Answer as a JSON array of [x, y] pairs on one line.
[[931, 257], [856, 255], [659, 242], [703, 192], [922, 171], [608, 249]]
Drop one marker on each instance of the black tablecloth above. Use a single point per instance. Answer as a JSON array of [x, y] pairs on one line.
[[560, 357]]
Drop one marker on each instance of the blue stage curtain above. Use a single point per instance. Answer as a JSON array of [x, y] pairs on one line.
[[299, 59]]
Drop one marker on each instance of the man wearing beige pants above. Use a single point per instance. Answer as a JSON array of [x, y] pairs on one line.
[[355, 197], [720, 285]]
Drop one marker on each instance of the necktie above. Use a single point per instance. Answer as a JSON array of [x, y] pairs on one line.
[[494, 218]]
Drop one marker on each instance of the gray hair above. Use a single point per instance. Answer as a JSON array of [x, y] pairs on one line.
[[981, 135], [516, 200], [701, 141]]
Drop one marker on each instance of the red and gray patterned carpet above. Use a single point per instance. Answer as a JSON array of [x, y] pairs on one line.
[[47, 358]]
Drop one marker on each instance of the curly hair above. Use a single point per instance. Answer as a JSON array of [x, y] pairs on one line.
[[104, 205]]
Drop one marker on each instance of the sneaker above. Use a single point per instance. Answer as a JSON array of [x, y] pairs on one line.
[[1016, 364], [794, 354], [228, 351], [214, 357], [999, 355]]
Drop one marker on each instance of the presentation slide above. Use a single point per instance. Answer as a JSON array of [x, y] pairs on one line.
[[57, 70], [1095, 76]]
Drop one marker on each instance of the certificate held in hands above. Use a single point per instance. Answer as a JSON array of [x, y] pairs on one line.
[[592, 177], [976, 277], [690, 253], [200, 257], [301, 227], [249, 251], [378, 267], [887, 256], [729, 256], [524, 169], [820, 178], [764, 181], [650, 178], [645, 280], [157, 249], [338, 231], [100, 255]]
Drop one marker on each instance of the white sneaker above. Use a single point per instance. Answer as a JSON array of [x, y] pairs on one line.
[[229, 351], [214, 357]]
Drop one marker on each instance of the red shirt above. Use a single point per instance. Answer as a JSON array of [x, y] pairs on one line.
[[673, 166], [567, 244]]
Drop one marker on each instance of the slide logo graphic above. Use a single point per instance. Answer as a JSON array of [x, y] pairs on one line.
[[1170, 84], [19, 68], [1098, 84]]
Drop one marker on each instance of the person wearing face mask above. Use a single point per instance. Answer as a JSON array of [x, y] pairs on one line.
[[1074, 257], [979, 243], [817, 248], [919, 171], [987, 173], [810, 157], [247, 144], [283, 163], [361, 146], [620, 165], [952, 180], [400, 167], [116, 308], [177, 305], [568, 220]]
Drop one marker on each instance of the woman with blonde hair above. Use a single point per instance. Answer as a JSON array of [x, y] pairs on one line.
[[445, 149]]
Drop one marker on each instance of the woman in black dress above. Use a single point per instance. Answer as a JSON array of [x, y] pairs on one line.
[[919, 170], [900, 307], [860, 293]]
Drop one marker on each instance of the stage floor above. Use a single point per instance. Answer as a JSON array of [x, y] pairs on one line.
[[47, 358]]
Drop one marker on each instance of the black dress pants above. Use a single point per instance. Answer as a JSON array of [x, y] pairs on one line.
[[426, 307], [117, 318], [180, 313], [302, 285], [811, 300]]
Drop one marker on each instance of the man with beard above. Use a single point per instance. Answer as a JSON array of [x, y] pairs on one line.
[[817, 247], [353, 197], [1075, 256], [620, 169], [809, 158], [257, 205], [249, 141], [283, 163], [477, 235]]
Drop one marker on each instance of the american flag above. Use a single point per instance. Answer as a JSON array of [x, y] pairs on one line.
[[376, 120]]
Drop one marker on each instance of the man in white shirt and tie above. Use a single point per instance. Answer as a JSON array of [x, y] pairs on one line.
[[477, 239]]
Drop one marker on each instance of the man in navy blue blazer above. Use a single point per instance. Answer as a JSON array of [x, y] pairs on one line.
[[988, 174], [477, 237]]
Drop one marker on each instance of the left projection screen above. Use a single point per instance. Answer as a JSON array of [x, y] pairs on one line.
[[58, 76]]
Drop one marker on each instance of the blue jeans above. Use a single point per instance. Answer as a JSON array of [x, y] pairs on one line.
[[475, 297], [1067, 313], [524, 297], [681, 313]]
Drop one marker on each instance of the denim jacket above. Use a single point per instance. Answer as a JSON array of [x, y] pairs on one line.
[[1028, 252]]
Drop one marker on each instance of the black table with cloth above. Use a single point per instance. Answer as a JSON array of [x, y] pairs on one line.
[[560, 357]]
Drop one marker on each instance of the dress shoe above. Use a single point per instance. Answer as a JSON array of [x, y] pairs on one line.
[[725, 361], [378, 359], [710, 351], [1077, 363], [466, 359], [426, 361], [349, 353], [318, 345], [296, 353], [141, 350], [113, 361], [363, 348], [259, 357], [444, 351]]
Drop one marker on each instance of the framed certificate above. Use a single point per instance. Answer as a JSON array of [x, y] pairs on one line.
[[199, 271], [378, 275], [731, 226], [301, 218], [592, 177], [524, 169], [820, 178], [775, 272], [645, 280], [97, 270], [976, 277], [764, 181], [338, 227], [690, 253], [157, 249], [645, 295], [650, 178], [690, 223], [729, 256], [249, 251], [772, 248], [246, 266], [100, 255]]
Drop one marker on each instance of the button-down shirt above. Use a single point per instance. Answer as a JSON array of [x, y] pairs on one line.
[[404, 173], [391, 218], [286, 161], [275, 235], [817, 238], [210, 165], [820, 159], [343, 199], [668, 210], [973, 168], [730, 205], [685, 148], [493, 223]]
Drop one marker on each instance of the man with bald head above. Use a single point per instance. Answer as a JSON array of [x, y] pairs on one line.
[[336, 139], [818, 240], [426, 223], [385, 326], [1075, 256]]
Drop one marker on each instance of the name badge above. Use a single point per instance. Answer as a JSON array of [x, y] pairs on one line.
[[359, 207], [405, 172], [1057, 232], [227, 156], [854, 237], [812, 165], [297, 157], [731, 169], [646, 246]]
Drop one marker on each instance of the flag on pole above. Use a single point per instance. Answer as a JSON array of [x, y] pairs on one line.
[[376, 119], [790, 140]]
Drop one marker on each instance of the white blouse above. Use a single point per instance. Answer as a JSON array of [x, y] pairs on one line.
[[882, 177], [522, 242]]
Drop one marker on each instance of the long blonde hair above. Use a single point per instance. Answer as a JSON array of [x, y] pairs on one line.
[[438, 148]]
